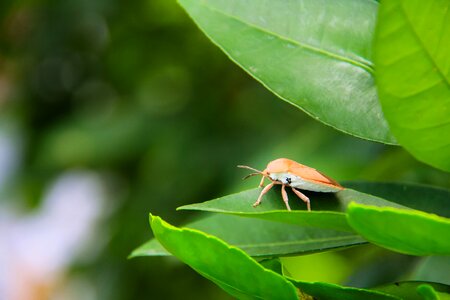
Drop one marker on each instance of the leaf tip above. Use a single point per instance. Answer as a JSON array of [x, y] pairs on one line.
[[153, 219], [183, 207], [132, 255]]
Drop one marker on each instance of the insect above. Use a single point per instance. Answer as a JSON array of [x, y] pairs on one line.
[[290, 173]]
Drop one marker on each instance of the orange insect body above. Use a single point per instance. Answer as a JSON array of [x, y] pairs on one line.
[[289, 173]]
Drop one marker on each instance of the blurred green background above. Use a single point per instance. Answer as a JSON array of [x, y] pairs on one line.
[[135, 95]]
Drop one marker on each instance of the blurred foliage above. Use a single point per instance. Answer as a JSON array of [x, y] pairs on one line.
[[133, 91]]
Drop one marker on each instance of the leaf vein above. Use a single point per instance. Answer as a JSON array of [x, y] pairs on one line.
[[366, 66], [422, 45], [292, 243]]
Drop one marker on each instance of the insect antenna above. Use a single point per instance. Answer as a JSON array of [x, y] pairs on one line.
[[257, 172], [250, 168], [250, 175]]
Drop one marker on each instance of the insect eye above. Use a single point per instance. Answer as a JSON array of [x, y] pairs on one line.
[[288, 180]]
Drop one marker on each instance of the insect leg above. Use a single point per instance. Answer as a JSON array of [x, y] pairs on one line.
[[261, 184], [303, 197], [285, 196], [264, 191]]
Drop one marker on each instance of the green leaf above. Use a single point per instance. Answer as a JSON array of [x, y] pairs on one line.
[[261, 238], [328, 291], [416, 196], [313, 54], [227, 266], [328, 208], [427, 292], [409, 289], [273, 209], [405, 231], [413, 76]]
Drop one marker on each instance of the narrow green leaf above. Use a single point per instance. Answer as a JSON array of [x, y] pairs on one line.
[[261, 238], [273, 209], [328, 291], [408, 290], [413, 76], [405, 231], [314, 54], [227, 266], [328, 208]]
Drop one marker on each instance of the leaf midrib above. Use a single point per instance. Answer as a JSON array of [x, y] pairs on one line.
[[422, 45], [367, 67], [213, 278], [197, 206], [293, 243]]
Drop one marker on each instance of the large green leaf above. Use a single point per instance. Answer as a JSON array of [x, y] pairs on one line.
[[261, 238], [405, 231], [328, 291], [315, 54], [227, 266], [410, 290], [328, 209], [413, 75], [272, 208]]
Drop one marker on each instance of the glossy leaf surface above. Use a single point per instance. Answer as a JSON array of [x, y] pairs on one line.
[[413, 76], [261, 238], [406, 231], [227, 266], [313, 54], [328, 208]]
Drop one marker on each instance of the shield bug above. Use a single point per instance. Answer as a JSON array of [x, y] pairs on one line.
[[290, 173]]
